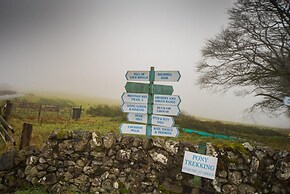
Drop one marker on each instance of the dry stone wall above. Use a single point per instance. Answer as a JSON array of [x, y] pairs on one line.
[[82, 161]]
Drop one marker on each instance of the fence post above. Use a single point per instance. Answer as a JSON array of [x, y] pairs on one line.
[[7, 110], [39, 112], [77, 113], [25, 136]]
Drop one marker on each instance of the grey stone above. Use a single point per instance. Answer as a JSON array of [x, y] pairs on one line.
[[41, 174], [42, 166], [96, 139], [229, 189], [49, 179], [107, 185], [210, 150], [80, 145], [116, 185], [33, 171], [126, 140], [235, 177], [81, 180], [98, 154], [139, 156], [123, 155], [248, 146], [68, 176], [254, 165], [222, 173], [158, 157], [171, 146], [159, 143], [109, 141], [96, 182], [245, 189], [105, 175], [137, 142], [108, 162], [41, 160], [218, 182], [88, 170], [22, 155], [260, 154], [32, 160], [232, 156], [283, 173], [80, 163], [171, 186]]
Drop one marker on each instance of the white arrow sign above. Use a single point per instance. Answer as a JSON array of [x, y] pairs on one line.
[[136, 117], [170, 76], [134, 108], [166, 99], [166, 110], [165, 131], [134, 98], [133, 129], [286, 101], [137, 75], [162, 120]]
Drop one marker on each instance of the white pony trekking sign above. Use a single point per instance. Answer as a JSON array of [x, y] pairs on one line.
[[199, 165]]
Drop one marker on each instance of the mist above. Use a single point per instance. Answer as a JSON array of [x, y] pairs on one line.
[[86, 48]]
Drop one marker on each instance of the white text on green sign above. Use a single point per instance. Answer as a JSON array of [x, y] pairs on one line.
[[137, 75], [165, 131], [134, 108], [199, 165], [166, 99], [166, 110], [133, 129], [134, 97]]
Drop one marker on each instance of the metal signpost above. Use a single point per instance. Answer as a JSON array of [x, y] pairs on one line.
[[147, 103]]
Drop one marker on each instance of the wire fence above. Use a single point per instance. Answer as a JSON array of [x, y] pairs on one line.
[[41, 112]]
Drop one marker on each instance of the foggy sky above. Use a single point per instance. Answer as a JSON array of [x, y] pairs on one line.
[[86, 47]]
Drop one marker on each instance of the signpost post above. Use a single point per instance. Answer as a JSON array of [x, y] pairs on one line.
[[147, 103]]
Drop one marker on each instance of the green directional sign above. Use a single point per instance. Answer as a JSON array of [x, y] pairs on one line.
[[133, 87]]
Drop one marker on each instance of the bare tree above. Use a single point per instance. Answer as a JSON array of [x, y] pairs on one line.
[[252, 54]]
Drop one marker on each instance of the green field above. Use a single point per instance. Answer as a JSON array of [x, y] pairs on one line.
[[105, 116]]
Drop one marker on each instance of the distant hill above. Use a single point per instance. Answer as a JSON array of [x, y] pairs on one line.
[[7, 92], [5, 87]]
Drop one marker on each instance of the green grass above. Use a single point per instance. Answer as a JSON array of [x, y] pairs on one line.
[[50, 121], [77, 100]]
